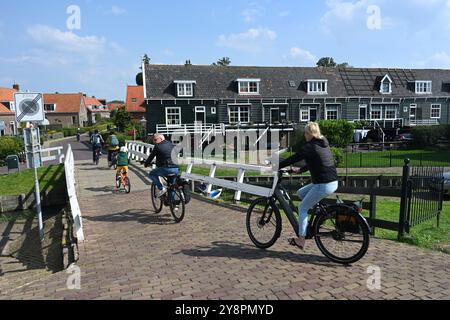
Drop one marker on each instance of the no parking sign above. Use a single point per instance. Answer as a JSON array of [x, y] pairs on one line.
[[29, 107]]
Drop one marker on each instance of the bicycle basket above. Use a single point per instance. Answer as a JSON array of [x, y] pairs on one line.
[[347, 222]]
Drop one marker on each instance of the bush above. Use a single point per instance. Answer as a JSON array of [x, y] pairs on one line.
[[426, 136], [69, 132], [9, 146], [338, 156], [339, 133]]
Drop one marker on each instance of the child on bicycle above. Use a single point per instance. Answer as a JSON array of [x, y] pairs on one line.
[[122, 161]]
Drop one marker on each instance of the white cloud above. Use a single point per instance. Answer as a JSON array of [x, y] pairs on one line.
[[441, 60], [66, 41], [253, 13], [251, 40], [117, 11], [303, 55]]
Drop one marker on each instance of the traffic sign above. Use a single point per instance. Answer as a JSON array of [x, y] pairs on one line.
[[29, 107]]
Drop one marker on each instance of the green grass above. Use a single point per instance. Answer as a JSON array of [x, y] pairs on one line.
[[52, 177], [395, 158]]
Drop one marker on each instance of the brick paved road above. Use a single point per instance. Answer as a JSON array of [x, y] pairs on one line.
[[132, 253]]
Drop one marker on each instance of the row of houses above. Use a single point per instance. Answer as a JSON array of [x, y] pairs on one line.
[[68, 109], [202, 98]]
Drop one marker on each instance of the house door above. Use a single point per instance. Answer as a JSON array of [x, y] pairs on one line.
[[363, 113], [313, 114], [200, 115]]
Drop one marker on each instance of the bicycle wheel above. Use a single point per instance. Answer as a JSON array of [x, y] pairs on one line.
[[157, 202], [263, 223], [177, 204], [118, 181], [127, 185], [342, 235]]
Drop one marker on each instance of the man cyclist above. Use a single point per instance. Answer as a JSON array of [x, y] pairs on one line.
[[164, 162], [97, 143], [113, 145]]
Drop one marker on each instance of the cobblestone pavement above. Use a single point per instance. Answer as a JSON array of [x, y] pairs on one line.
[[132, 253]]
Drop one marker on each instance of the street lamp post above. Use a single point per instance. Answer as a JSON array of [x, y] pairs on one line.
[[144, 125]]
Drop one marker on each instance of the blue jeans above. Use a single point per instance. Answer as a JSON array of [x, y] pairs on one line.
[[161, 172], [310, 196]]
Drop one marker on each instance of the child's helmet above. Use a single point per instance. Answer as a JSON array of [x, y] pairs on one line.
[[123, 149]]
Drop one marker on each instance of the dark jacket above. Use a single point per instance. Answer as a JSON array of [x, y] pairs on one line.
[[163, 154], [319, 159]]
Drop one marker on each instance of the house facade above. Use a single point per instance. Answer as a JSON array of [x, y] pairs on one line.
[[135, 103], [66, 110], [8, 124], [96, 107], [189, 97]]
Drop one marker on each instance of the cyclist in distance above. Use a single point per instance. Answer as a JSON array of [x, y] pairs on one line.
[[320, 162], [97, 143], [164, 162], [113, 145]]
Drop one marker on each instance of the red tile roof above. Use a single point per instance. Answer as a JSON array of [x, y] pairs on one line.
[[4, 109], [115, 105], [135, 92], [7, 94], [90, 102], [65, 102]]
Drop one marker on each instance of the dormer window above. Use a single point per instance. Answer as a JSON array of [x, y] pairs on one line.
[[386, 85], [424, 87], [185, 88], [317, 86], [248, 86]]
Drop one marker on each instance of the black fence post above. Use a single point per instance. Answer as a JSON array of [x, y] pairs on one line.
[[404, 200], [373, 210]]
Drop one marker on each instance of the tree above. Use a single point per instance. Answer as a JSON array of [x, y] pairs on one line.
[[326, 62], [344, 65], [123, 119], [224, 62], [139, 79], [145, 59]]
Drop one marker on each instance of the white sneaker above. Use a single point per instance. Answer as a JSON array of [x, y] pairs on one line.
[[160, 193]]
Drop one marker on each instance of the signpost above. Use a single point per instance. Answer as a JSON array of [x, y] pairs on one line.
[[30, 108]]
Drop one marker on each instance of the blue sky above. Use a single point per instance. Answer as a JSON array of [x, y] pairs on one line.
[[42, 52]]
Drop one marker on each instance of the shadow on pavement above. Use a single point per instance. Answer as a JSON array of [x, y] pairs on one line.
[[103, 189], [139, 215], [246, 252]]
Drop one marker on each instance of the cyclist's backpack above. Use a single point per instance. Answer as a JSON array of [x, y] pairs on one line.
[[96, 139], [114, 141]]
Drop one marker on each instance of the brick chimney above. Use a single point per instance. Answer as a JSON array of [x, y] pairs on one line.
[[16, 87]]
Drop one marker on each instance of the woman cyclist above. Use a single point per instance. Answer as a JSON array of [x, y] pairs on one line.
[[320, 162]]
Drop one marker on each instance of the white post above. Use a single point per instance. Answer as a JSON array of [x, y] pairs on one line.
[[189, 171], [240, 179], [212, 174]]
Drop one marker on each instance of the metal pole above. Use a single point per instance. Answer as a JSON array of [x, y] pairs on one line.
[[38, 203], [403, 202]]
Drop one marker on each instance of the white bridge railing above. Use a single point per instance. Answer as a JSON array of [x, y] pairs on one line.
[[140, 151], [60, 155]]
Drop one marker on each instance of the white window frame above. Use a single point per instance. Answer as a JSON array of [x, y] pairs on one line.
[[310, 107], [381, 112], [424, 87], [167, 119], [319, 86], [213, 110], [362, 106], [239, 112], [431, 110], [390, 108], [332, 105], [383, 81], [247, 82], [54, 107], [200, 109], [182, 88]]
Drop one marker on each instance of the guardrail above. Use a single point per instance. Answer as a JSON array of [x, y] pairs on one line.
[[60, 157]]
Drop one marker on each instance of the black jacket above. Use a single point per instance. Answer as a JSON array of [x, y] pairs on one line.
[[163, 154], [319, 159]]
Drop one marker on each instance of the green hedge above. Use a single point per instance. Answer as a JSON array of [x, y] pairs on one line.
[[429, 136], [9, 146], [339, 133]]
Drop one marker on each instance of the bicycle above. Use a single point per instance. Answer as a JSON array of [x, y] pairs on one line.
[[331, 226], [174, 198], [122, 180], [98, 152], [113, 162]]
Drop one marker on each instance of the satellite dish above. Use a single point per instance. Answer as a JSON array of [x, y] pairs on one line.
[[44, 123]]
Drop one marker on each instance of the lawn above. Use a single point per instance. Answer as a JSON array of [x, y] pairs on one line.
[[51, 177], [395, 158]]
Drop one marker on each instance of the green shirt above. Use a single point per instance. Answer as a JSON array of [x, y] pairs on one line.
[[122, 159]]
